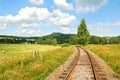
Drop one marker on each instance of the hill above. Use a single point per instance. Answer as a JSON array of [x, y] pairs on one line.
[[60, 37]]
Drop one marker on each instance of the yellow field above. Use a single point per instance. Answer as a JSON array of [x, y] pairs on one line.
[[110, 53], [17, 49], [17, 62]]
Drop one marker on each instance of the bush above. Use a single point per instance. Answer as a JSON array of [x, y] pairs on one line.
[[64, 45]]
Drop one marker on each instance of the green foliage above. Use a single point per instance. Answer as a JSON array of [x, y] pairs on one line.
[[64, 45], [54, 42], [61, 38], [104, 40], [47, 41], [114, 40], [97, 40], [16, 39], [73, 39], [83, 33]]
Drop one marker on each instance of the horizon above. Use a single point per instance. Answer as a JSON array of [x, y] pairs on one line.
[[55, 33], [29, 18]]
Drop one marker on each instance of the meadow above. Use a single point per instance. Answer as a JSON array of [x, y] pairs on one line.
[[110, 54], [18, 61]]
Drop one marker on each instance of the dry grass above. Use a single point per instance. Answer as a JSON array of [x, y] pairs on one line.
[[26, 67], [111, 55]]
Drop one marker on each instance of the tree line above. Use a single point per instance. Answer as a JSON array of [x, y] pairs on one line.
[[82, 37], [16, 40], [96, 40]]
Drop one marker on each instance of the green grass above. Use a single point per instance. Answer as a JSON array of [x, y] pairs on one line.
[[110, 55], [11, 49], [26, 67]]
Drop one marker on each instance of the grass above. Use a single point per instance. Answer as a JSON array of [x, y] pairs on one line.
[[26, 67], [111, 55], [17, 49]]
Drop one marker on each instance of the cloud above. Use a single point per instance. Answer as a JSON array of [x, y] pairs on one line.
[[29, 18], [104, 28], [62, 19], [27, 31], [26, 18], [5, 21], [25, 25], [30, 32], [83, 6], [37, 2], [34, 13], [2, 26], [62, 4], [66, 30]]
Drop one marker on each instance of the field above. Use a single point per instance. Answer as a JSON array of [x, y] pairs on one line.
[[20, 62], [110, 54]]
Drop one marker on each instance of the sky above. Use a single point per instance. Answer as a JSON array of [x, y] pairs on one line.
[[43, 17]]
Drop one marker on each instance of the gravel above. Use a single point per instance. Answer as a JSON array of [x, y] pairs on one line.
[[82, 70]]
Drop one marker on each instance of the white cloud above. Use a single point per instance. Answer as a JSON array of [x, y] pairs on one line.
[[5, 21], [2, 26], [65, 30], [83, 6], [30, 32], [37, 2], [27, 17], [62, 19], [25, 25], [104, 28], [62, 4], [27, 31], [33, 13]]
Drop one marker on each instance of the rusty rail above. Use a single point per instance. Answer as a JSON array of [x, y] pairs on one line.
[[96, 70], [69, 69]]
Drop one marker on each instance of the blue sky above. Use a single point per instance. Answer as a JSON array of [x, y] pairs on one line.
[[43, 17]]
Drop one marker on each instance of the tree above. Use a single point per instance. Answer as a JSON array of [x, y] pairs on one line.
[[47, 41], [103, 40], [40, 41], [114, 40], [54, 42], [73, 39], [83, 34]]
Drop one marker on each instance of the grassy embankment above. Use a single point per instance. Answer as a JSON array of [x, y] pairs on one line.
[[17, 61], [110, 55]]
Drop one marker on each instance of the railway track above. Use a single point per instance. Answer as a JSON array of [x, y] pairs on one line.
[[83, 67]]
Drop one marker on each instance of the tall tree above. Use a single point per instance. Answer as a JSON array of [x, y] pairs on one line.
[[83, 33]]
